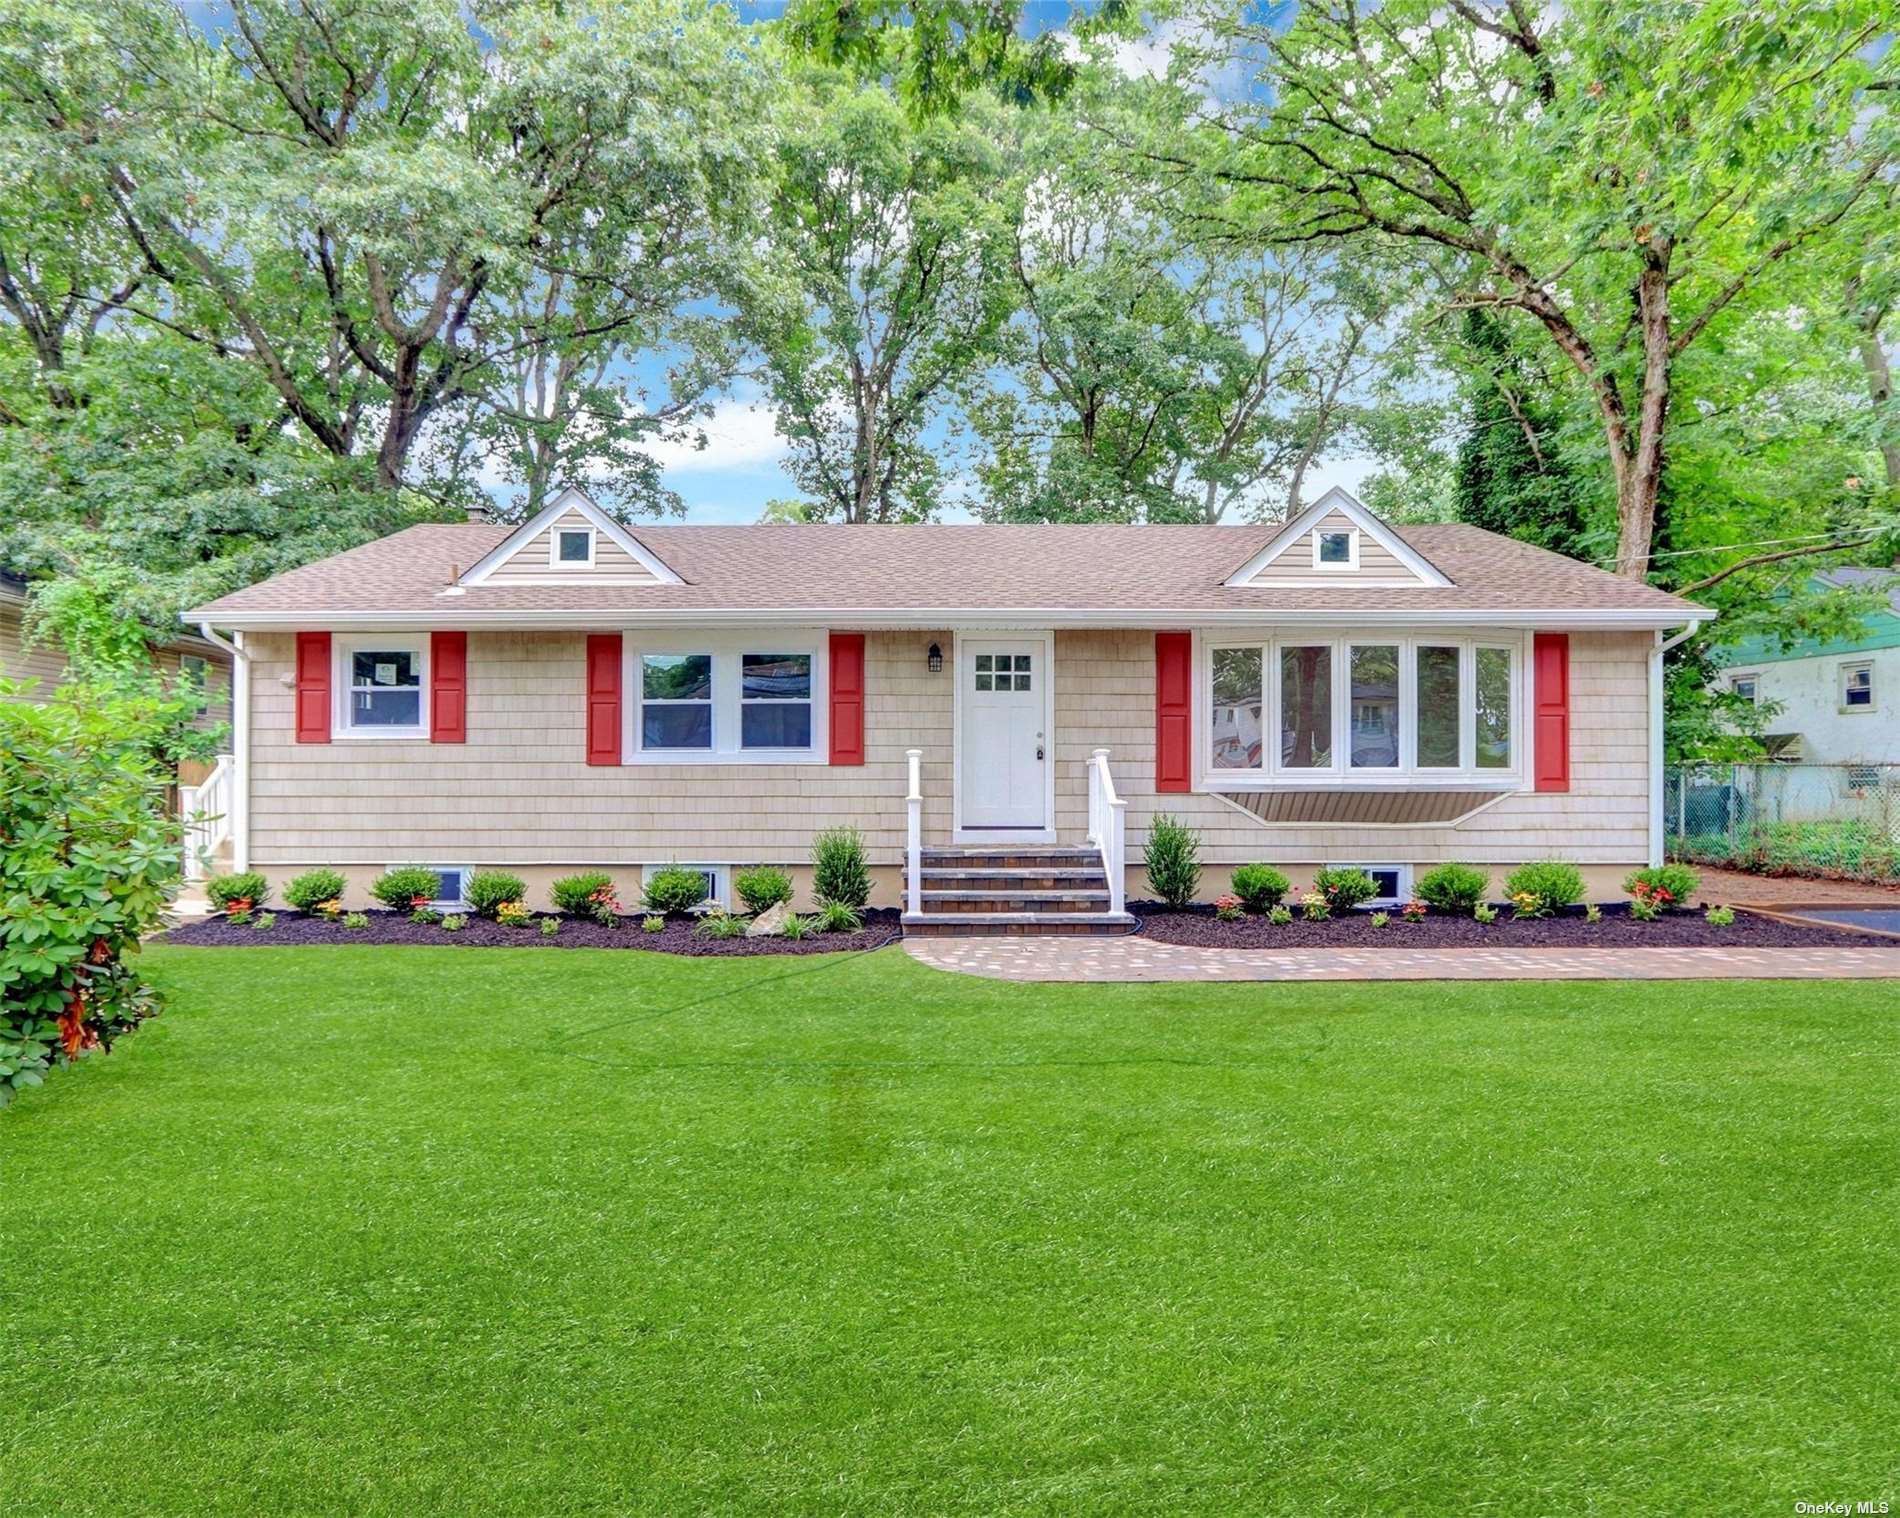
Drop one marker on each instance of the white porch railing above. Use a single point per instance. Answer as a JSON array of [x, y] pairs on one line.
[[1107, 828], [206, 809], [914, 846]]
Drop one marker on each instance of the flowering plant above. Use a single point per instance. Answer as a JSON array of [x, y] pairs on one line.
[[1528, 904], [603, 906], [513, 914], [329, 910], [1315, 907], [1645, 908], [1413, 910], [1228, 908]]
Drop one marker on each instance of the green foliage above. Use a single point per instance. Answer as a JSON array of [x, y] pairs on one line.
[[762, 887], [1381, 919], [1260, 886], [1229, 908], [454, 922], [577, 894], [487, 890], [307, 891], [1455, 888], [1484, 912], [1593, 914], [1670, 884], [89, 858], [550, 927], [1344, 887], [426, 916], [250, 887], [836, 917], [1314, 906], [1720, 917], [264, 922], [655, 924], [1555, 882], [1645, 908], [356, 922], [840, 874], [1172, 855], [720, 925], [674, 889], [407, 887], [1280, 916], [1853, 849], [796, 927]]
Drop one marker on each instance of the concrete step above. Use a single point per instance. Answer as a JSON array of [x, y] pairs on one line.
[[1015, 924]]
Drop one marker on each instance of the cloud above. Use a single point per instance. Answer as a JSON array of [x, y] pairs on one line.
[[740, 437]]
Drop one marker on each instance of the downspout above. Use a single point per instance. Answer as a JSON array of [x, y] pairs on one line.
[[240, 744], [1656, 788]]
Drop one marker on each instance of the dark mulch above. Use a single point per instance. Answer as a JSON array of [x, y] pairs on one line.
[[881, 926], [1618, 930]]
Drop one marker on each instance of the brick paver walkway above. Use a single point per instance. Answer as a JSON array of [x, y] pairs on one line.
[[1141, 959]]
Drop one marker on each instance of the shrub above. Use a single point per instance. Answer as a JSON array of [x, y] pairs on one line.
[[796, 927], [265, 922], [1344, 887], [225, 891], [513, 914], [1280, 916], [1719, 917], [1554, 882], [550, 926], [576, 893], [674, 889], [836, 917], [356, 921], [1229, 908], [455, 922], [487, 890], [652, 924], [720, 925], [1455, 888], [839, 873], [1593, 913], [313, 887], [1381, 919], [1645, 908], [1173, 857], [1668, 885], [1484, 912], [762, 888], [1314, 907], [1260, 886], [427, 916], [399, 889]]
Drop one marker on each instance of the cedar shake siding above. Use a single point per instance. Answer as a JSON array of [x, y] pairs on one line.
[[1294, 563], [519, 791]]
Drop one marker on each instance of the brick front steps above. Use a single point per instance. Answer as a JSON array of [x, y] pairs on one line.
[[1011, 892]]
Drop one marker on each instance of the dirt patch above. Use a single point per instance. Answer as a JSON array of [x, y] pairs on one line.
[[881, 926], [1569, 930]]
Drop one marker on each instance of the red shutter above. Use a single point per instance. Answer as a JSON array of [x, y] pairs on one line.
[[603, 698], [313, 687], [1551, 736], [1174, 710], [448, 687], [847, 698]]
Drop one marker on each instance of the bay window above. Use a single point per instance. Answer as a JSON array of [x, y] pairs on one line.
[[1379, 709], [726, 698]]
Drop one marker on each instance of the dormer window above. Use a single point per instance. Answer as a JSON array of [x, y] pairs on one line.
[[1336, 548], [573, 547]]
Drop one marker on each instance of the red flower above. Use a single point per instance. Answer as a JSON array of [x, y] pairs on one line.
[[420, 899]]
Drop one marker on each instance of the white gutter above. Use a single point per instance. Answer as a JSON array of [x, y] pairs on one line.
[[1549, 619], [240, 744], [1656, 767]]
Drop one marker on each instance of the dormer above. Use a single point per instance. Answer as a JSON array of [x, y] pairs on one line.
[[570, 541], [1337, 542]]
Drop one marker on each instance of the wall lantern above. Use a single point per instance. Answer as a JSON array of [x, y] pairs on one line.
[[936, 659]]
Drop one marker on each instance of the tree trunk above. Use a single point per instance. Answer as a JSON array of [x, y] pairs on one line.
[[1639, 473], [1873, 357]]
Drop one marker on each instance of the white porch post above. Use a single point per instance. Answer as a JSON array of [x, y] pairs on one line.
[[914, 847]]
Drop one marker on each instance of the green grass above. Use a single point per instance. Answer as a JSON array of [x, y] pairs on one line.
[[429, 1231]]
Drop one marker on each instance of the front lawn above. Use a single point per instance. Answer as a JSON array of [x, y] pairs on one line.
[[408, 1231]]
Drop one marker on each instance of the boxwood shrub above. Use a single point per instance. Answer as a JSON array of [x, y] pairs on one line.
[[1554, 882], [222, 890], [1344, 886], [575, 894], [314, 887], [1677, 879], [1454, 888], [488, 889], [1260, 887], [398, 889], [762, 887], [674, 889]]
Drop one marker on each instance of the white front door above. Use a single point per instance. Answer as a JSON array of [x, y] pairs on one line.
[[1005, 747]]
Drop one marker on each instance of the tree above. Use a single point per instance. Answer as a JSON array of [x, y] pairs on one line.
[[1629, 177], [885, 290]]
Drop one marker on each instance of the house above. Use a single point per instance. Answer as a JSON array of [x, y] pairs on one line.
[[1001, 710], [189, 652], [1839, 700]]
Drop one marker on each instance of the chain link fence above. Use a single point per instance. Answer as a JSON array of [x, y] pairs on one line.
[[1827, 821]]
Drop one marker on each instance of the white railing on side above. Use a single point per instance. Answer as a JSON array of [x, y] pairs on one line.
[[1107, 831], [914, 846], [206, 810]]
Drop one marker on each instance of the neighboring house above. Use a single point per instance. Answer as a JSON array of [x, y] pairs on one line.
[[1840, 700], [574, 693], [45, 663]]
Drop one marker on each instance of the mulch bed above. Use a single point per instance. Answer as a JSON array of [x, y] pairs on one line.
[[1618, 930], [881, 926]]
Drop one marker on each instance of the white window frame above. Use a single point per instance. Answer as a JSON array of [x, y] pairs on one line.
[[1351, 566], [727, 651], [555, 533], [721, 877], [1403, 872], [444, 903], [1340, 774], [1846, 671], [1753, 677], [416, 645]]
